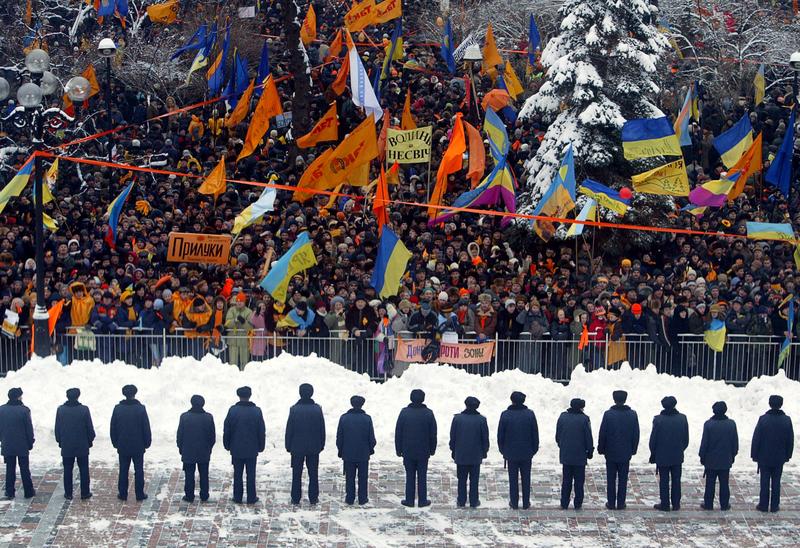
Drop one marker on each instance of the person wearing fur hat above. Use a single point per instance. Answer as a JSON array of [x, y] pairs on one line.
[[575, 447], [772, 447], [415, 441], [669, 439], [244, 434], [305, 440], [355, 442], [196, 438], [718, 449], [618, 440], [237, 325], [16, 441], [130, 436], [469, 445], [74, 434], [518, 441]]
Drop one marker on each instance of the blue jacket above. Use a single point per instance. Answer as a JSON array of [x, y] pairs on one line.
[[415, 432], [244, 433], [305, 428], [155, 320], [74, 429], [130, 428], [16, 429], [720, 443], [355, 436], [469, 437], [518, 433], [669, 438], [574, 438], [618, 438], [196, 436], [773, 439]]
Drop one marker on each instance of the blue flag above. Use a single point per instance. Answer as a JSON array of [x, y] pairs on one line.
[[534, 41], [779, 173], [238, 82], [195, 42], [447, 47], [263, 69]]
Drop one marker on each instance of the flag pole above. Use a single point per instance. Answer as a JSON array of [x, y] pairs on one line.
[[428, 185]]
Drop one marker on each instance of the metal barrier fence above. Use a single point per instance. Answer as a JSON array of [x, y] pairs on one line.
[[742, 358]]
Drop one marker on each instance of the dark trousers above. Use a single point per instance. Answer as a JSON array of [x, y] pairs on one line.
[[770, 481], [515, 469], [351, 468], [83, 468], [670, 476], [572, 475], [312, 464], [138, 475], [24, 472], [188, 479], [416, 477], [617, 483], [724, 488], [473, 473], [239, 466]]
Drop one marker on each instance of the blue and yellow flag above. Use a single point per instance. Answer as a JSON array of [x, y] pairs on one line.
[[669, 180], [735, 142], [588, 213], [201, 57], [216, 72], [681, 125], [114, 210], [498, 137], [299, 257], [559, 198], [393, 50], [786, 345], [263, 70], [390, 265], [196, 41], [649, 137], [239, 80], [779, 173], [759, 85], [715, 335], [605, 196], [770, 231], [293, 319], [17, 184]]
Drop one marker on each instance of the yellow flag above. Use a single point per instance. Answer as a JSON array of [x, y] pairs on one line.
[[357, 149], [668, 180], [388, 10], [268, 107], [164, 13], [327, 129], [360, 15], [49, 222], [214, 184], [308, 32], [312, 177], [513, 84], [332, 199], [359, 176], [491, 55], [242, 107], [407, 121]]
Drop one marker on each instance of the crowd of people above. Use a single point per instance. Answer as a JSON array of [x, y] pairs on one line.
[[464, 276]]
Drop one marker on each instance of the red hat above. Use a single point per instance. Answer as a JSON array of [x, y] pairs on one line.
[[636, 308], [241, 297]]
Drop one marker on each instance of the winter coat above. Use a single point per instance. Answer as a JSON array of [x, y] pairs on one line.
[[574, 438], [633, 325], [305, 428], [16, 429], [736, 324], [196, 436], [518, 433], [74, 430], [80, 309], [759, 326], [399, 322], [244, 433], [507, 325], [363, 320], [237, 321], [720, 443], [469, 437], [415, 432], [618, 438], [259, 343], [155, 320], [103, 318], [355, 436], [424, 324], [560, 331], [130, 428], [669, 438], [535, 324], [486, 324], [597, 330], [773, 439]]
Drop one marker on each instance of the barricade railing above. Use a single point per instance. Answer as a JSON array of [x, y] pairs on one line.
[[743, 357]]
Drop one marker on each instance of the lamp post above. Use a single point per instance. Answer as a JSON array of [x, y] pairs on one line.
[[794, 64], [107, 48], [30, 112], [473, 56]]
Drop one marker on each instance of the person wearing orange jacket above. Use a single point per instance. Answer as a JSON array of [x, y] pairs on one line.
[[196, 319], [81, 304]]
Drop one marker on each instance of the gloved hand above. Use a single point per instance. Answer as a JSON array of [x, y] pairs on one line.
[[590, 454], [240, 319], [652, 459], [113, 327], [380, 337]]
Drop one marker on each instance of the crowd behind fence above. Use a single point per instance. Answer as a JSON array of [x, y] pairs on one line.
[[743, 357]]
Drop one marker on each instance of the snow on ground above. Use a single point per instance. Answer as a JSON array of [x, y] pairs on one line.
[[166, 392]]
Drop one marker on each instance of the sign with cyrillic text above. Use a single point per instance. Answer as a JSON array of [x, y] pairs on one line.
[[186, 247]]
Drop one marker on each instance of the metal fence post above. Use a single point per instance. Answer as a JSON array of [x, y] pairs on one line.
[[496, 350], [714, 370], [605, 362]]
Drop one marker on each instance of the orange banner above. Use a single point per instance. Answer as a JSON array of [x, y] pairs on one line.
[[453, 354], [186, 247], [361, 15], [388, 10]]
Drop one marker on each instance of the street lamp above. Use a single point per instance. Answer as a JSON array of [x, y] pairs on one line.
[[31, 112], [473, 56], [107, 48], [794, 64]]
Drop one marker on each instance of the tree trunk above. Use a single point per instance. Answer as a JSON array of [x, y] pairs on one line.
[[298, 65]]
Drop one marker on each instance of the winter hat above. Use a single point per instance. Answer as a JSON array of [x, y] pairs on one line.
[[425, 305], [15, 393], [197, 401], [775, 401], [517, 397], [306, 391], [719, 408], [417, 396], [442, 296], [636, 308], [244, 392], [158, 304], [337, 299], [357, 402], [620, 396], [301, 306], [669, 402], [577, 403], [241, 297], [472, 402], [129, 390], [510, 302], [73, 394]]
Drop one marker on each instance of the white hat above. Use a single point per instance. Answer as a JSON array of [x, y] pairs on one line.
[[435, 280], [375, 302], [442, 296]]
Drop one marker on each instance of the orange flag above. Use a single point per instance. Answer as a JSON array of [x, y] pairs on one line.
[[750, 162], [357, 149], [379, 205], [491, 55], [584, 340], [451, 162], [312, 177], [52, 318], [28, 12], [214, 184], [513, 84], [360, 15], [477, 154], [384, 134], [242, 107], [327, 129], [308, 32], [407, 121], [335, 48], [269, 106], [342, 79], [90, 75]]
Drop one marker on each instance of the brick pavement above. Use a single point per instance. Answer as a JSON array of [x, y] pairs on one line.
[[165, 520]]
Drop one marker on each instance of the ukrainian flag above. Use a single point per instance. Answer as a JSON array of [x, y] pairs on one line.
[[770, 231], [16, 185], [697, 211], [588, 213], [216, 72], [256, 210], [114, 210], [735, 142], [498, 138], [293, 319], [605, 196], [560, 197], [649, 137], [299, 257], [759, 83], [390, 265], [786, 345], [681, 126], [715, 335]]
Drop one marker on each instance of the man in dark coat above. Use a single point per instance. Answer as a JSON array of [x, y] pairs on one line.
[[196, 438], [469, 445], [245, 436], [415, 442], [518, 440], [130, 436], [575, 447], [668, 441], [355, 442], [74, 433], [305, 440], [16, 438], [773, 444], [718, 450], [618, 440]]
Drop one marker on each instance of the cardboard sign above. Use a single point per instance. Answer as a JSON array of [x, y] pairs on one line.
[[454, 354], [411, 146], [185, 247]]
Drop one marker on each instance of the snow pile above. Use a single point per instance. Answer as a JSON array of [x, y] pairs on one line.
[[166, 392]]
